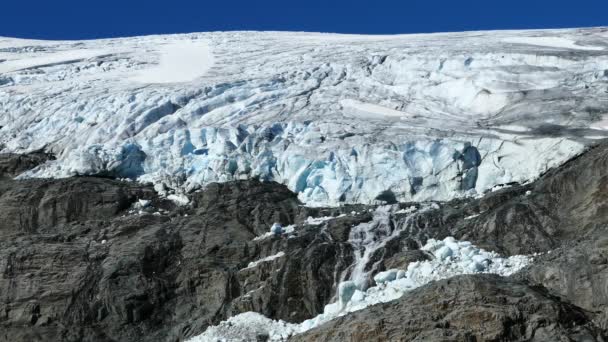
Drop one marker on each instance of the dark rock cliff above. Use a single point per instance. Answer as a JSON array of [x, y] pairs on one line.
[[81, 261]]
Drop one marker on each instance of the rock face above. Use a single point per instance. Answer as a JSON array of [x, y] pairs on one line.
[[12, 164], [464, 308], [43, 206], [97, 259], [81, 260]]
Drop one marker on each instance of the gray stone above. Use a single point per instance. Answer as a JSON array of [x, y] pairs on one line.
[[464, 308]]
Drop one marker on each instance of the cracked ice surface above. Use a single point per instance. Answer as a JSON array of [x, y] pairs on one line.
[[337, 118]]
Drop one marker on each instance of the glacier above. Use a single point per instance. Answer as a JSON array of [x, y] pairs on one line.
[[337, 118]]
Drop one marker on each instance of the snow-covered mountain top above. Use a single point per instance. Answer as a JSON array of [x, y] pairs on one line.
[[338, 118]]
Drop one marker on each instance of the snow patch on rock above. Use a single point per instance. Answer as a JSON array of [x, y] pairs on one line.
[[266, 259], [452, 258], [248, 326]]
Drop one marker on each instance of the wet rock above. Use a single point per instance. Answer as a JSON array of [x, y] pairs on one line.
[[11, 164]]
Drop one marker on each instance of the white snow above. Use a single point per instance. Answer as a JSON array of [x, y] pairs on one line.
[[555, 42], [142, 203], [408, 210], [6, 42], [61, 57], [179, 199], [277, 229], [601, 124], [315, 221], [337, 118], [462, 258], [247, 327], [363, 110], [180, 61], [266, 259], [289, 229], [500, 187], [263, 236], [386, 276]]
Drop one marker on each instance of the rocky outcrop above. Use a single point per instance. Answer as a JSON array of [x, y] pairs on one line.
[[577, 273], [46, 206], [464, 308], [12, 164], [575, 197], [82, 259]]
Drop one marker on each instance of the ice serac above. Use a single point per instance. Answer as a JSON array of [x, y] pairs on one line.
[[337, 118]]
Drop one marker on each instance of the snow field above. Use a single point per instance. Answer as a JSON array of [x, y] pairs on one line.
[[181, 61]]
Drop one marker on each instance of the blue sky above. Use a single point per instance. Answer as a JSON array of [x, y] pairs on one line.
[[85, 19]]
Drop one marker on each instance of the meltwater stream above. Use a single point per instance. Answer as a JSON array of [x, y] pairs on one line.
[[370, 237], [450, 258]]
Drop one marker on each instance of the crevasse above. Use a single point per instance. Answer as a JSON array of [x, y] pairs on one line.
[[337, 118]]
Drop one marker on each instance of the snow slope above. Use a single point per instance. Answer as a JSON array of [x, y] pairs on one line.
[[181, 61], [337, 118]]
